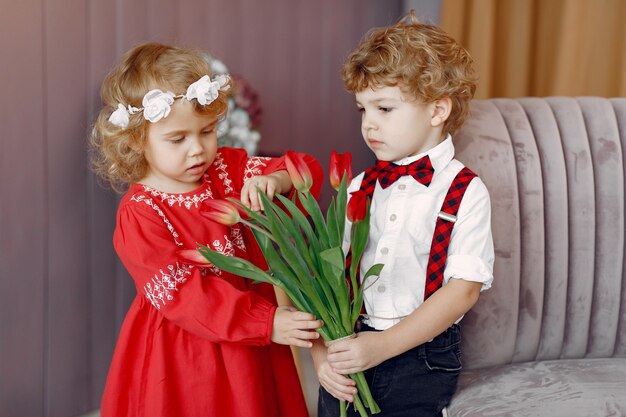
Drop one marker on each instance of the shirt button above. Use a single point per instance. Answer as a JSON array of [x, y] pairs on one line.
[[384, 251], [381, 288], [401, 187], [393, 217]]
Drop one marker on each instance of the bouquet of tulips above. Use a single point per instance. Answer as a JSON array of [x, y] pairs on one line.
[[304, 253]]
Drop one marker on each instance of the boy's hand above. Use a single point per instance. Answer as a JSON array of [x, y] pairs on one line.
[[275, 183], [337, 385], [294, 327], [358, 354]]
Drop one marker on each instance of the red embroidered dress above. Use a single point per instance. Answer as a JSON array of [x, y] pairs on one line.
[[196, 342]]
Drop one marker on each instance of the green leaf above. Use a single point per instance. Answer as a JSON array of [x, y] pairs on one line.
[[358, 292], [235, 265], [289, 281], [274, 260], [333, 265], [340, 208], [331, 270], [294, 231], [283, 265], [331, 222], [278, 230], [374, 270], [334, 258], [302, 221], [254, 215], [311, 206], [358, 241]]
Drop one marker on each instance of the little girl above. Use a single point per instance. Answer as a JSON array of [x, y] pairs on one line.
[[196, 341]]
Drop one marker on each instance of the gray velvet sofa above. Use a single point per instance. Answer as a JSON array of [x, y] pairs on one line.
[[549, 338]]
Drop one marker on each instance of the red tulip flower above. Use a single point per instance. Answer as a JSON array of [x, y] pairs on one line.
[[303, 248], [356, 209], [298, 171], [340, 164], [193, 257], [221, 211]]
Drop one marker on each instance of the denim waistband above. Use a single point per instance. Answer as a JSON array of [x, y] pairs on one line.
[[450, 337]]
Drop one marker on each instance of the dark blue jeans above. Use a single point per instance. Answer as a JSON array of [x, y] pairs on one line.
[[417, 383]]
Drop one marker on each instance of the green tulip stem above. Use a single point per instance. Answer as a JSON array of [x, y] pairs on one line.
[[364, 391], [359, 405], [258, 229]]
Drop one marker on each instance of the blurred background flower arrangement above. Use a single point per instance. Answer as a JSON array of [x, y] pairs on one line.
[[240, 127]]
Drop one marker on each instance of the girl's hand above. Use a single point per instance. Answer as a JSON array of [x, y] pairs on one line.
[[275, 183], [337, 385], [294, 327], [355, 355]]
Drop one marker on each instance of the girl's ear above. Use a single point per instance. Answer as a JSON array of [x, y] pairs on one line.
[[440, 111]]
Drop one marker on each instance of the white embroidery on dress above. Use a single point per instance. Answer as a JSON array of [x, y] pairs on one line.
[[141, 198], [253, 167], [226, 249], [185, 200], [160, 289], [222, 174], [237, 237], [215, 270]]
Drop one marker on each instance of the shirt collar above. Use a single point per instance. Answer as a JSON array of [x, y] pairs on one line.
[[440, 155]]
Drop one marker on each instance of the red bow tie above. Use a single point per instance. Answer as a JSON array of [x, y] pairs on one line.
[[422, 170]]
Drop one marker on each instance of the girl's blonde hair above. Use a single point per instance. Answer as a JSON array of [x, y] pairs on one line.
[[117, 153], [421, 59]]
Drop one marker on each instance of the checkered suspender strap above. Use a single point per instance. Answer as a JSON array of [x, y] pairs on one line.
[[443, 231]]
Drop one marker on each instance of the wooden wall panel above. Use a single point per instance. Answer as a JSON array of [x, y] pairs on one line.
[[192, 22], [68, 340], [23, 228], [131, 23], [101, 204], [162, 20]]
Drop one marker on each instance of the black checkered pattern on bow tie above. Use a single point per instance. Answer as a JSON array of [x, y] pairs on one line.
[[422, 170], [368, 183], [443, 231]]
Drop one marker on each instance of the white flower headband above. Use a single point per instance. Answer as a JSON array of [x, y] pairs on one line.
[[157, 104]]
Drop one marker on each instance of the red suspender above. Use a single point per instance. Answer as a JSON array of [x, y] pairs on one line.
[[443, 231], [443, 227]]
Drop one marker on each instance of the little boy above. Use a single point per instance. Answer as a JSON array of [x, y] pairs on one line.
[[430, 224]]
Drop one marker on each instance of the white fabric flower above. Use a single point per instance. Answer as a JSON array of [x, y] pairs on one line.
[[217, 66], [231, 105], [239, 117], [222, 128], [222, 80], [157, 105], [251, 144], [120, 117], [204, 90], [240, 133]]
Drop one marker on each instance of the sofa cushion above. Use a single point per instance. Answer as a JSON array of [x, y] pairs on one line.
[[566, 387]]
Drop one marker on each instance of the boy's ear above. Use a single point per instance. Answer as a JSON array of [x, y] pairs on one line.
[[440, 111]]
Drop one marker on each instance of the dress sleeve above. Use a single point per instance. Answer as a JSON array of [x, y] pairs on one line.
[[258, 165], [190, 297]]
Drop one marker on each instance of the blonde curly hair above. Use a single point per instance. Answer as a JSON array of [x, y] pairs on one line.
[[420, 58], [117, 154]]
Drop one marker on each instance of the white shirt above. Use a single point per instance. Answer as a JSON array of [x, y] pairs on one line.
[[402, 224]]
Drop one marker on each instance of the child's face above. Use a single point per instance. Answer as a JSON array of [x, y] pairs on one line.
[[179, 149], [395, 126]]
